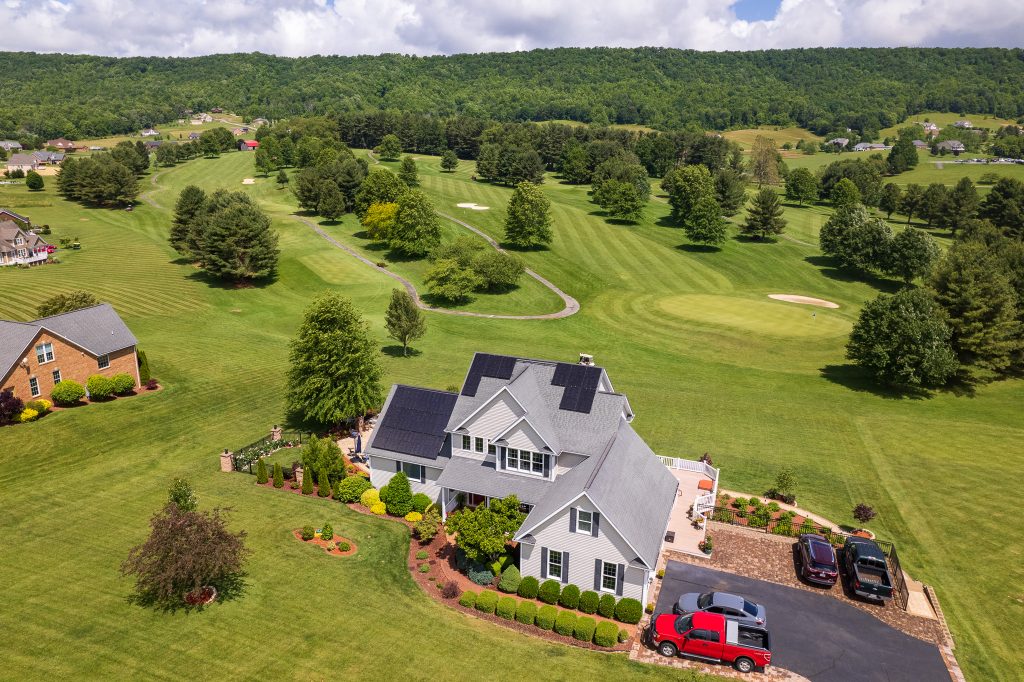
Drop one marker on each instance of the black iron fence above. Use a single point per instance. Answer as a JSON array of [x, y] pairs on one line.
[[246, 457]]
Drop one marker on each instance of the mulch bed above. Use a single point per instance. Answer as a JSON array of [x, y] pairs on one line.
[[324, 543]]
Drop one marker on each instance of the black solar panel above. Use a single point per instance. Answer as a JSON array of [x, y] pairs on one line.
[[486, 365], [414, 422], [580, 382]]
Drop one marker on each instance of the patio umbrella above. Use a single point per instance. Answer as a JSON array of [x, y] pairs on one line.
[[359, 443]]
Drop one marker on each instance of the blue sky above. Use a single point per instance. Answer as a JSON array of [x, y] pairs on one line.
[[756, 10]]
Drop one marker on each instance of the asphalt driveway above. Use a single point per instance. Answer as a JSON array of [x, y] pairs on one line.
[[814, 635]]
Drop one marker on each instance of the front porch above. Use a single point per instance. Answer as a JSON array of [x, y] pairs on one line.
[[698, 487]]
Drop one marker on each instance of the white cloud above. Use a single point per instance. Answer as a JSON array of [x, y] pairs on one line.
[[304, 27]]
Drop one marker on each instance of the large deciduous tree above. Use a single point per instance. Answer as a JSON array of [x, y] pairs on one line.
[[408, 173], [450, 280], [705, 224], [903, 155], [960, 206], [912, 254], [888, 200], [404, 321], [483, 533], [528, 222], [66, 303], [844, 194], [380, 186], [856, 239], [686, 186], [764, 161], [449, 161], [416, 229], [764, 217], [801, 186], [390, 147]]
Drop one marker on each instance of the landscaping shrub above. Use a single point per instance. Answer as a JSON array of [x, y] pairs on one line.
[[99, 387], [323, 487], [510, 580], [546, 616], [507, 608], [413, 517], [307, 482], [349, 489], [67, 392], [526, 612], [424, 568], [570, 597], [420, 502], [327, 532], [40, 405], [10, 405], [740, 503], [629, 610], [565, 623], [487, 601], [261, 472], [584, 630], [152, 384], [528, 587], [379, 509], [451, 590], [397, 495], [722, 516], [426, 528], [308, 532], [422, 554], [468, 599], [369, 497], [123, 383], [344, 546], [623, 635], [144, 373], [588, 601], [606, 633], [278, 475], [479, 574], [650, 607], [28, 415], [549, 591], [503, 561], [606, 607]]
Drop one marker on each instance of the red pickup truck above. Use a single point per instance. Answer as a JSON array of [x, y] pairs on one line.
[[710, 637]]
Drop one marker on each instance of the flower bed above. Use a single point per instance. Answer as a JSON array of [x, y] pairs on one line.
[[771, 518], [335, 546]]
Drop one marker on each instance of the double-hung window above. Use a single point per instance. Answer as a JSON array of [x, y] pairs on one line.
[[33, 386], [413, 471], [522, 460], [584, 522], [478, 444], [466, 444], [44, 353], [491, 450], [511, 458], [103, 361], [609, 576], [56, 376], [554, 564]]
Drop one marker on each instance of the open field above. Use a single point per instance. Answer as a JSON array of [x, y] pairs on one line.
[[708, 361], [943, 119], [169, 131], [745, 137]]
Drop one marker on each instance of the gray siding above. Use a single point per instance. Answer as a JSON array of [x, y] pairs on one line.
[[382, 469], [567, 461], [497, 416], [524, 437]]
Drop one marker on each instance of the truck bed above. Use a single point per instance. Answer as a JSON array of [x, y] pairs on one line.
[[873, 576], [748, 636]]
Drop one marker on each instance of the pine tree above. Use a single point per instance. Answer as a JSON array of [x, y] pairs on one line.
[[416, 229], [449, 162], [764, 217], [282, 177], [528, 223], [278, 475], [261, 472], [237, 240], [323, 484], [960, 206], [307, 481], [730, 190], [903, 155], [335, 374], [404, 321], [407, 172], [705, 224], [188, 207], [332, 202]]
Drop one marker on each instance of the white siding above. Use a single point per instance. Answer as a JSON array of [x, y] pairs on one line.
[[524, 437], [382, 469], [583, 551], [495, 417]]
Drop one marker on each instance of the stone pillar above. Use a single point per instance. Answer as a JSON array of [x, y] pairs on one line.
[[298, 476], [275, 433], [226, 464]]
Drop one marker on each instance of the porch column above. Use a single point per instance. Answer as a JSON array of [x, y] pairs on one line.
[[444, 504]]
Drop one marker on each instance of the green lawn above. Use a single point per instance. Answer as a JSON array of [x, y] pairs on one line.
[[708, 361]]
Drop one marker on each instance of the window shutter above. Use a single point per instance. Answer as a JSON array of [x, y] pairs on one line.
[[572, 519], [619, 580], [597, 575], [423, 474], [398, 466], [503, 465], [596, 520], [565, 567], [547, 466], [543, 562]]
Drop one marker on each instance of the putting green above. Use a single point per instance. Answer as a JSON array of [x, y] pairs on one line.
[[761, 317]]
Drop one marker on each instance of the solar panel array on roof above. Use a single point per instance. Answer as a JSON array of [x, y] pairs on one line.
[[415, 422], [486, 365], [581, 382]]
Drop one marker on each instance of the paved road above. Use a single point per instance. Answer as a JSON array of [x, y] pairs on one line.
[[814, 635]]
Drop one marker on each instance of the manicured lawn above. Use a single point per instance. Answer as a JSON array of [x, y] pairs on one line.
[[710, 364], [745, 137]]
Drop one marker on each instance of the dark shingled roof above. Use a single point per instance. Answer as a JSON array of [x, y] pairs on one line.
[[414, 421]]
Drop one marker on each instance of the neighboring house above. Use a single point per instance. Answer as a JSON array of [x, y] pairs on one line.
[[9, 145], [557, 436], [240, 131], [35, 356], [216, 110], [963, 123], [61, 144], [955, 146], [18, 246], [247, 145], [151, 145], [149, 132], [7, 214], [920, 144], [930, 127], [869, 146], [23, 162], [44, 158], [838, 142], [193, 136]]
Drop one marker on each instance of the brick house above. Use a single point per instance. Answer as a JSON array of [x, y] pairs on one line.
[[35, 356]]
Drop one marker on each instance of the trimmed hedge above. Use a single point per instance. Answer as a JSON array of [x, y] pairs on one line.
[[487, 601], [506, 608], [510, 580], [350, 488], [123, 383], [529, 587], [606, 606], [589, 601], [468, 598], [629, 610], [565, 624], [67, 392], [526, 612], [606, 634], [420, 502], [570, 597], [546, 617], [549, 591], [584, 630], [99, 387]]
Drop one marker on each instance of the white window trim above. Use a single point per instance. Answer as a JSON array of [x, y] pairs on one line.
[[412, 478], [33, 387], [528, 470], [44, 359], [603, 576], [551, 556], [57, 378], [466, 437], [590, 522]]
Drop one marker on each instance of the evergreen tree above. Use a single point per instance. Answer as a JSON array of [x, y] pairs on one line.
[[845, 194], [416, 229], [397, 495], [282, 177], [961, 205], [323, 483], [335, 374], [449, 161], [730, 190], [332, 202], [528, 223], [34, 181], [191, 201], [237, 241], [764, 217], [903, 155], [705, 224], [390, 147], [407, 173], [801, 186], [1004, 206], [404, 321], [889, 200], [278, 475], [307, 481], [912, 201], [261, 472]]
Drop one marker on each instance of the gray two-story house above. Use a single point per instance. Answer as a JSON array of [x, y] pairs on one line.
[[557, 436]]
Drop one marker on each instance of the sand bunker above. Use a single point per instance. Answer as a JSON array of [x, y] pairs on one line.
[[472, 206], [249, 181], [805, 300]]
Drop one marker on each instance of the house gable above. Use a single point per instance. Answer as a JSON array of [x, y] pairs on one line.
[[521, 435], [556, 533], [494, 416]]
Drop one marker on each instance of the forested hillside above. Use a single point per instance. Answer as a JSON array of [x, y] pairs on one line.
[[821, 89]]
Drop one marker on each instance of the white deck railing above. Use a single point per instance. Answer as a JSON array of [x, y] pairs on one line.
[[691, 465]]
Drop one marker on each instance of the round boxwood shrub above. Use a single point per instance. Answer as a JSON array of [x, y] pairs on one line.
[[420, 502], [369, 497], [308, 532], [606, 633], [344, 547], [546, 616], [99, 387], [623, 635], [479, 574], [414, 517], [529, 587], [584, 630], [629, 610], [468, 599], [589, 601], [549, 591], [565, 624], [350, 488], [327, 532], [606, 606], [379, 509], [507, 608], [424, 568], [28, 415], [570, 597], [124, 383], [422, 554], [510, 580], [67, 392], [487, 601], [526, 612]]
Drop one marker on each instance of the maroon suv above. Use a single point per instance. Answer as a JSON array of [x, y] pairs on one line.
[[817, 560]]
